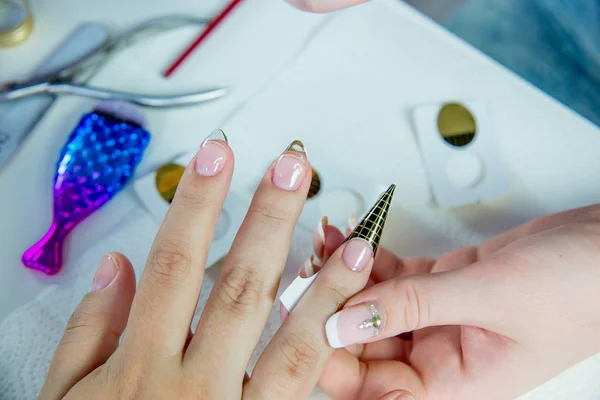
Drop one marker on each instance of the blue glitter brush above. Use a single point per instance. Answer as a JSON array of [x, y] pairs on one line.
[[99, 158]]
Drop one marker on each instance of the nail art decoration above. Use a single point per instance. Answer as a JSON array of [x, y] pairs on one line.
[[374, 322], [371, 226]]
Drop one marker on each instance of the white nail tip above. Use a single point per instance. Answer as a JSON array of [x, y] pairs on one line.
[[321, 228], [331, 329], [293, 293]]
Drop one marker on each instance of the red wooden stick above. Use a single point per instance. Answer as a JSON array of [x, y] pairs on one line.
[[209, 28]]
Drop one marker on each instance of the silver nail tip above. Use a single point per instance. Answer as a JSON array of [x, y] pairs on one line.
[[296, 146], [371, 226], [217, 134]]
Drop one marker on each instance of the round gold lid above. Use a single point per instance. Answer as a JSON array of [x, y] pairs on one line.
[[16, 23]]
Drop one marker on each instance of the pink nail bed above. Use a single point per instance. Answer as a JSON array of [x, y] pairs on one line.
[[356, 324], [289, 171], [357, 254], [211, 158], [107, 272]]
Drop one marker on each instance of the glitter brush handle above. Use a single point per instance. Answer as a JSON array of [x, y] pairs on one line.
[[46, 255]]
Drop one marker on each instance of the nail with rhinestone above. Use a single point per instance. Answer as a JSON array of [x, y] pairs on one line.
[[355, 324]]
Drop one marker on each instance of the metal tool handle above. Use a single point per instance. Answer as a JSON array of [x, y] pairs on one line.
[[24, 91], [142, 100]]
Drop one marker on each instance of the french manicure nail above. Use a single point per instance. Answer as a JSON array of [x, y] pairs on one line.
[[212, 155], [321, 228], [290, 167], [356, 324], [319, 238], [357, 254], [351, 224], [106, 273], [307, 270]]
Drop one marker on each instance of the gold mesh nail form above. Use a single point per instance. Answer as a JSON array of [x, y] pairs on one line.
[[371, 226]]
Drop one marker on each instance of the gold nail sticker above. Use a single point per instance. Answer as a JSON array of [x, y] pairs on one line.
[[371, 226]]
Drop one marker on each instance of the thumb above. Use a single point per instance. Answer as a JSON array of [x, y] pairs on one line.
[[395, 306], [93, 331]]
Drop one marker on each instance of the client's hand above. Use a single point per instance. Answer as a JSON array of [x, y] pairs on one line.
[[158, 356], [487, 322]]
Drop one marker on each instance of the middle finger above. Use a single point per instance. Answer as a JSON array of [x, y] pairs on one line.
[[245, 289]]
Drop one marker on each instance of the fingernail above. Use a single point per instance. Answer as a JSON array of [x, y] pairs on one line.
[[371, 226], [404, 396], [290, 167], [307, 270], [319, 238], [106, 273], [351, 224], [356, 324], [321, 228], [212, 155], [357, 254]]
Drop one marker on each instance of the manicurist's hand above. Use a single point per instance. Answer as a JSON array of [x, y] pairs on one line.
[[487, 322], [158, 356], [322, 6]]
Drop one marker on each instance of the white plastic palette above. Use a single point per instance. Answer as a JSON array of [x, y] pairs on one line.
[[230, 219], [461, 175]]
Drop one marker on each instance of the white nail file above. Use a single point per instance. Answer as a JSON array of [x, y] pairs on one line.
[[292, 295]]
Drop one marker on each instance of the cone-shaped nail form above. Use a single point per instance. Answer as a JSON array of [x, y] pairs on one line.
[[371, 226]]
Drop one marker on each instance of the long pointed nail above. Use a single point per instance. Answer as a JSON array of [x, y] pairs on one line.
[[371, 226], [356, 324], [321, 228], [290, 167], [307, 270], [296, 146], [351, 224], [212, 156]]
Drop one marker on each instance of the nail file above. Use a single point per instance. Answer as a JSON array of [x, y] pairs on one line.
[[230, 219], [461, 158], [18, 117]]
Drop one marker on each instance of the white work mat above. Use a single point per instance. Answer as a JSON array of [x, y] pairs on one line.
[[345, 85]]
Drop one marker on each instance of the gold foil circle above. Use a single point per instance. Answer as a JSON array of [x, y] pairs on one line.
[[456, 124], [167, 180], [315, 184]]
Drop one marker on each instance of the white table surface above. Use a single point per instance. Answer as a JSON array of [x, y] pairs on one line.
[[523, 118]]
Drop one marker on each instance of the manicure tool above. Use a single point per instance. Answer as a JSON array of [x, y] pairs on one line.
[[18, 117], [98, 159], [201, 38]]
